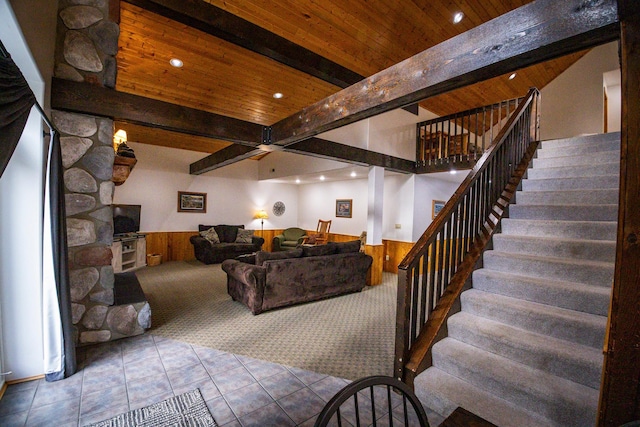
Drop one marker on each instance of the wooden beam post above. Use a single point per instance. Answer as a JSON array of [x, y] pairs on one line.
[[533, 33], [620, 391], [226, 156]]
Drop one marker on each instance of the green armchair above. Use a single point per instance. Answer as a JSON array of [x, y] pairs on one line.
[[289, 239]]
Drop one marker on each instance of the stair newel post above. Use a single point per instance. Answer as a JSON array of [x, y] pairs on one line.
[[403, 316]]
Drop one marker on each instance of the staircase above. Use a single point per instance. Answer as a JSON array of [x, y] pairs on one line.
[[526, 349]]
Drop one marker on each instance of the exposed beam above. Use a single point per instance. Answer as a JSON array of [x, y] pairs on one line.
[[346, 153], [224, 157], [92, 99], [224, 25], [620, 391], [536, 32]]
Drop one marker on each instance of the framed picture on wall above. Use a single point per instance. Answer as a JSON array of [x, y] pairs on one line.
[[192, 202], [343, 208], [436, 208]]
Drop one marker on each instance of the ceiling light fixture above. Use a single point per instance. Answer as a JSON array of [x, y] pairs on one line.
[[321, 177], [175, 62], [297, 180], [457, 17], [453, 171], [277, 95], [353, 174], [512, 76]]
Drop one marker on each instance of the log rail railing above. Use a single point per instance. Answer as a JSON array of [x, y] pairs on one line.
[[436, 270], [460, 138]]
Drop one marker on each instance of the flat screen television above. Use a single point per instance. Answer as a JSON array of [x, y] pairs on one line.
[[126, 219]]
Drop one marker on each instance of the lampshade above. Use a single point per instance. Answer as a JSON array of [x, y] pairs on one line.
[[118, 138], [262, 214]]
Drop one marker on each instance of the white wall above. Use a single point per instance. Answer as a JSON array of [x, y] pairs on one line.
[[572, 104], [21, 224], [613, 89], [234, 193]]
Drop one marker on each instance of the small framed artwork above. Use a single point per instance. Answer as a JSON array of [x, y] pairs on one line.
[[436, 208], [343, 208], [192, 202]]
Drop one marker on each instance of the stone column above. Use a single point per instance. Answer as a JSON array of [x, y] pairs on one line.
[[86, 45]]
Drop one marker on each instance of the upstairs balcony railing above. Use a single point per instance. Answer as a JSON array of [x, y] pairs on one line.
[[438, 267], [458, 140]]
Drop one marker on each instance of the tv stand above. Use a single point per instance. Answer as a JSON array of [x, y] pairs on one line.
[[129, 252]]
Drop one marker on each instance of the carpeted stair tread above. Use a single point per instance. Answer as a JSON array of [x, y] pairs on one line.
[[575, 326], [581, 140], [597, 273], [588, 230], [568, 197], [560, 293], [565, 359], [563, 401], [577, 149], [609, 168], [587, 160], [581, 183], [594, 250], [443, 393], [565, 212]]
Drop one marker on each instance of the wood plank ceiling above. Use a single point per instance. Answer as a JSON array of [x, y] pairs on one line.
[[365, 36]]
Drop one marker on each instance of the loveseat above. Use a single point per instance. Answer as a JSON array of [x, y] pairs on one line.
[[270, 280], [215, 243], [289, 239]]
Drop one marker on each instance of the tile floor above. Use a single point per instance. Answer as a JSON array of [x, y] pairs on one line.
[[128, 374]]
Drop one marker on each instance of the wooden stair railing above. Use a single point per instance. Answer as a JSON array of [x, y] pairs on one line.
[[438, 267], [458, 140]]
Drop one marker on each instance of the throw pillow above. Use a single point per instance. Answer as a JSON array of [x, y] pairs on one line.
[[262, 256], [210, 235], [244, 236]]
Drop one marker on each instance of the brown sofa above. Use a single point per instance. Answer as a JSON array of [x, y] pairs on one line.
[[307, 273], [227, 246]]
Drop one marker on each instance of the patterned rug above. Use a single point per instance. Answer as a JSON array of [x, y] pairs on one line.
[[185, 410], [350, 336]]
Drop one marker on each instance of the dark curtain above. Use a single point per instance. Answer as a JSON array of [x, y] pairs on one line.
[[16, 100]]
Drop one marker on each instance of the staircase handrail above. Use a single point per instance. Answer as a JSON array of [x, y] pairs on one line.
[[437, 268]]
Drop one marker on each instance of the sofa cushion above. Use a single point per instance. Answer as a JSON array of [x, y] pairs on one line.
[[227, 233], [318, 250], [211, 235], [346, 247], [244, 236], [262, 256]]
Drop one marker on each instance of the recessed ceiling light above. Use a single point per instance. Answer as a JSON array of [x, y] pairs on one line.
[[512, 76], [297, 180], [353, 174], [277, 95], [175, 62], [453, 171], [321, 177], [457, 17]]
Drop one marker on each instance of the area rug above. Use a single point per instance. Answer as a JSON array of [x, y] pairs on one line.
[[185, 410]]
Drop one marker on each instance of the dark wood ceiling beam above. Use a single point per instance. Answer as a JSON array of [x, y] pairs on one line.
[[322, 148], [226, 156], [226, 26], [100, 101], [534, 33]]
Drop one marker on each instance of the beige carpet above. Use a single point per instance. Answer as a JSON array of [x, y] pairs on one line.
[[350, 336]]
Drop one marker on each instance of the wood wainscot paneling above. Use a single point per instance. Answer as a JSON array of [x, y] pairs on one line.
[[268, 236], [396, 251], [374, 277], [172, 245]]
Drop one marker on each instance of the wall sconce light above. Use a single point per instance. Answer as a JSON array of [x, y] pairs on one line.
[[262, 215], [120, 137]]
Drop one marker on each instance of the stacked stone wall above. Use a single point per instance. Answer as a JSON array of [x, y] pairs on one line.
[[86, 45]]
